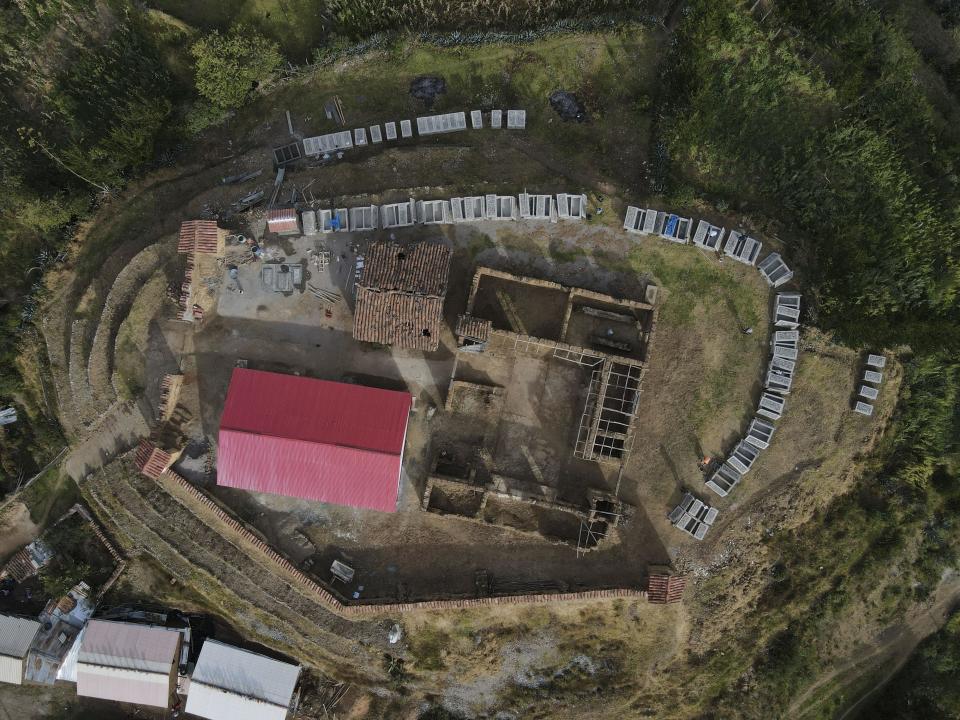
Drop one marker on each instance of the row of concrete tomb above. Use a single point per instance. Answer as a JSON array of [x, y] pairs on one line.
[[734, 244], [525, 206], [319, 145], [692, 515], [149, 665], [870, 385]]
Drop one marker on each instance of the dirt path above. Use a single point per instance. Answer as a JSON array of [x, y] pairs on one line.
[[895, 642], [121, 429], [16, 529]]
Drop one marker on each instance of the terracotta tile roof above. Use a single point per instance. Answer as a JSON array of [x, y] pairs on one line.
[[398, 318], [423, 268], [151, 460], [473, 327], [400, 295], [665, 588], [202, 236]]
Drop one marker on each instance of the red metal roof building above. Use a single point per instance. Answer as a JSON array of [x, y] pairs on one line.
[[313, 439], [282, 220]]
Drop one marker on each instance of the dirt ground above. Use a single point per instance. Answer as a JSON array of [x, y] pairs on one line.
[[16, 529], [532, 442]]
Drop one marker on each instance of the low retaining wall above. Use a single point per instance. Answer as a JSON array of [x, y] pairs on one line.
[[349, 611]]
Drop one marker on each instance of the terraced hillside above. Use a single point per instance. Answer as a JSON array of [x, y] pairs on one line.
[[193, 548]]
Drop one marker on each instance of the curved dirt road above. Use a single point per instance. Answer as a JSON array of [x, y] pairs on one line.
[[894, 643]]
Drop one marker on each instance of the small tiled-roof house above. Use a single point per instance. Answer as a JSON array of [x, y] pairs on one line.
[[400, 295]]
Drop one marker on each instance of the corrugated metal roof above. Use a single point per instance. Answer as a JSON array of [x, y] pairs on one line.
[[11, 670], [282, 220], [121, 685], [233, 684], [315, 439], [16, 635], [128, 646]]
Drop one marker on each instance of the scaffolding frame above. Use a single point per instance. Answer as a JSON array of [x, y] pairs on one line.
[[605, 433], [594, 528]]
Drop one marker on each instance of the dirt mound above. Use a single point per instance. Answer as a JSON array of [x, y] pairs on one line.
[[567, 106], [428, 88]]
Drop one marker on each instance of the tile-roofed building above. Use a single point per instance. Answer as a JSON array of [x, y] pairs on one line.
[[200, 236], [16, 636], [128, 663], [151, 460], [664, 586], [472, 330], [27, 562], [233, 684], [400, 295]]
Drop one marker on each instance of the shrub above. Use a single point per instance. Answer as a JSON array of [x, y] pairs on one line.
[[229, 67]]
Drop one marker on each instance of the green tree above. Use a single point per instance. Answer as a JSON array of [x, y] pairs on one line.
[[229, 67]]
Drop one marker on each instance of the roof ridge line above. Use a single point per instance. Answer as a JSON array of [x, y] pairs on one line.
[[313, 442]]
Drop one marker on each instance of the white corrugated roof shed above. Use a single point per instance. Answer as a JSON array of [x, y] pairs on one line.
[[16, 636], [233, 684], [128, 663]]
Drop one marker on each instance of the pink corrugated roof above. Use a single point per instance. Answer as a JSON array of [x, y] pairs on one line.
[[282, 220], [314, 439]]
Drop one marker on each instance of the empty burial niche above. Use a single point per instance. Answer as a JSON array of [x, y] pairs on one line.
[[759, 433], [742, 248], [743, 457], [398, 214], [516, 119], [674, 228], [328, 143], [771, 406], [500, 207], [434, 212], [448, 122], [775, 270], [786, 310], [693, 516], [571, 206], [707, 236], [467, 209], [724, 479], [641, 221], [363, 218]]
